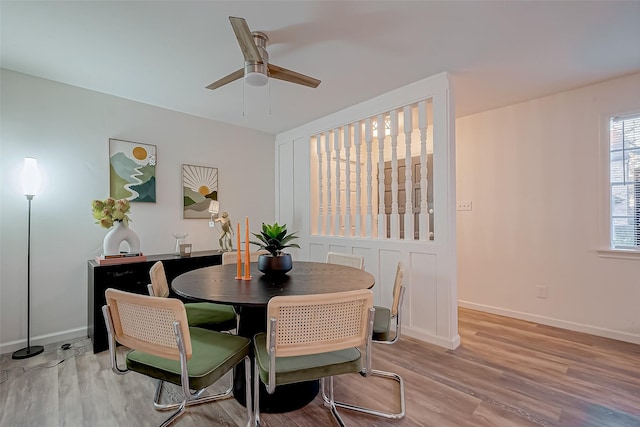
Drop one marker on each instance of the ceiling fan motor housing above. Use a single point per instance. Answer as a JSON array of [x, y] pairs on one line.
[[255, 73]]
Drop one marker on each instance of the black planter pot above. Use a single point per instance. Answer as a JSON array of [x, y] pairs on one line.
[[274, 266]]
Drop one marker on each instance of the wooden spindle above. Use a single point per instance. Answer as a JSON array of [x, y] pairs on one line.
[[337, 229], [424, 206], [369, 141], [346, 139], [328, 231], [358, 142], [408, 181], [395, 217], [320, 223], [382, 216]]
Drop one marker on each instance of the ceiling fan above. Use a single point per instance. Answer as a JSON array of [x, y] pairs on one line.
[[257, 69]]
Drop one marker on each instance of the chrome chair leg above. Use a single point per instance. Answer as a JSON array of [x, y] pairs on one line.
[[247, 390], [174, 416], [329, 401], [256, 393], [196, 400], [371, 411]]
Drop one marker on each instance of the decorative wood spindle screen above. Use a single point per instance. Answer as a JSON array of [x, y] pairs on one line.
[[400, 143]]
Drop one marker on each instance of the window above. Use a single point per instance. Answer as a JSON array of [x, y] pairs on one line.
[[624, 167]]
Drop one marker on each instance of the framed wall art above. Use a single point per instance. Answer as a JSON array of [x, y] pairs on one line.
[[132, 171], [199, 188]]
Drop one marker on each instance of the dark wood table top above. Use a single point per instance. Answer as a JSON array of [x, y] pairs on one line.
[[218, 283]]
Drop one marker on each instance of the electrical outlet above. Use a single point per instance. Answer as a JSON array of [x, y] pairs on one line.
[[542, 291], [464, 205], [212, 224]]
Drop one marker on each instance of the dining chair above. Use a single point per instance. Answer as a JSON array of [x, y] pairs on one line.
[[163, 346], [208, 315], [232, 257], [349, 260], [311, 337], [382, 333]]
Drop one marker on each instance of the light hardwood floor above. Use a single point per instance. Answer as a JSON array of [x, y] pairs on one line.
[[506, 372]]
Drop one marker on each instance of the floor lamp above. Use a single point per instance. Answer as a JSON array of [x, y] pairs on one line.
[[30, 184]]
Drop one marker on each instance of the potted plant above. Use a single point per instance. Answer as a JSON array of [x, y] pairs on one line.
[[274, 238]]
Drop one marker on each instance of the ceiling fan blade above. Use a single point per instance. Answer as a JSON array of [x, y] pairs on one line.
[[292, 76], [227, 79], [245, 39]]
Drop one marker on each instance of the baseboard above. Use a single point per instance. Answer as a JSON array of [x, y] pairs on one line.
[[421, 335], [558, 323], [10, 347]]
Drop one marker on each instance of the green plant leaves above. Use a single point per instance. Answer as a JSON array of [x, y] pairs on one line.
[[274, 238]]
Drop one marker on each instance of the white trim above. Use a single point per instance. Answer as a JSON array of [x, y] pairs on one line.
[[604, 192], [618, 253], [558, 323], [10, 347], [422, 335], [604, 184]]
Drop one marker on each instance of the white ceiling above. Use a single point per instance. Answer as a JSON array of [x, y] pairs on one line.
[[164, 53]]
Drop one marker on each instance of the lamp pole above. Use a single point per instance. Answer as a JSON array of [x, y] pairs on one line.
[[29, 351]]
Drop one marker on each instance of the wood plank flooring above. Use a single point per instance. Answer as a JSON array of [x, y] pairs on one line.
[[506, 372]]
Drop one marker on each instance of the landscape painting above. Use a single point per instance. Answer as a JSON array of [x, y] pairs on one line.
[[132, 171], [199, 188]]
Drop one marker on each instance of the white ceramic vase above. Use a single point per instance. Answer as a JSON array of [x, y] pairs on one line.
[[120, 233]]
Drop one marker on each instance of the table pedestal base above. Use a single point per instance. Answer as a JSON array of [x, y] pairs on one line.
[[285, 398]]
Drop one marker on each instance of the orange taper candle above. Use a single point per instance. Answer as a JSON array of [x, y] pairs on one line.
[[247, 256], [239, 267]]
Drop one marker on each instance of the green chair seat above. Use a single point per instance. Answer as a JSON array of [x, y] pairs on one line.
[[213, 354], [305, 368], [207, 315], [381, 324]]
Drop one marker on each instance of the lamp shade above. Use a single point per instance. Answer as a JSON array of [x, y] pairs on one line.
[[214, 207], [31, 179]]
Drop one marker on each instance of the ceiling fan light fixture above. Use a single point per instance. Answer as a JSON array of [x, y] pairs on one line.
[[255, 79], [257, 70], [256, 73]]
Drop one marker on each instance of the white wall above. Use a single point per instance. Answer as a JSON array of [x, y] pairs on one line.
[[67, 129], [534, 174]]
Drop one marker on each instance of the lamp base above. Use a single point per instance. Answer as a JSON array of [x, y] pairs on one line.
[[27, 352]]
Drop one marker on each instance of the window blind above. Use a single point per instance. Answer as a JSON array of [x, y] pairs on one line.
[[624, 167]]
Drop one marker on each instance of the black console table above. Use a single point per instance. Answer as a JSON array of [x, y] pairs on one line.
[[133, 277]]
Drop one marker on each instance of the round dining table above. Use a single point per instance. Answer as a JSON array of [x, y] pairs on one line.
[[250, 298]]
